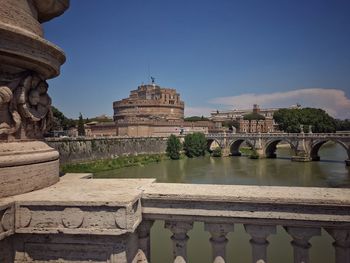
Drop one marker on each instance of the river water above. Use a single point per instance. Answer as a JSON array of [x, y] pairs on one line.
[[329, 172]]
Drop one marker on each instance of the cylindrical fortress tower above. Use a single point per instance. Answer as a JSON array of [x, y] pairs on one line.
[[27, 60]]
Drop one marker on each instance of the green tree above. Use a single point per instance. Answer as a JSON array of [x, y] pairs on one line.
[[253, 116], [81, 128], [343, 125], [60, 121], [195, 144], [173, 147], [196, 118], [289, 120]]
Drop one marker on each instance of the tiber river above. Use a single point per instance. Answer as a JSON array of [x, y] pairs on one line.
[[329, 172]]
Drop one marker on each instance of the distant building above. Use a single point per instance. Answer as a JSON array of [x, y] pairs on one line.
[[153, 111], [248, 126], [100, 129]]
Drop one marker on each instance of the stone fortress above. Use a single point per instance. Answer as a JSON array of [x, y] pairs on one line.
[[153, 111]]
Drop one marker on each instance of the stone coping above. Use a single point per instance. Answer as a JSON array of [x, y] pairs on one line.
[[71, 190], [248, 193]]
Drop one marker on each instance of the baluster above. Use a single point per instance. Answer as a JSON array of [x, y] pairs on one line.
[[300, 243], [259, 234], [341, 244], [218, 240], [179, 238], [143, 231]]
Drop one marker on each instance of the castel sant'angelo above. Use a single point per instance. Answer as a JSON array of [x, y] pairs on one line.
[[150, 111]]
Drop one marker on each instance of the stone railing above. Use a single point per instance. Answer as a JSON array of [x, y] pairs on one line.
[[302, 212], [284, 135], [104, 220]]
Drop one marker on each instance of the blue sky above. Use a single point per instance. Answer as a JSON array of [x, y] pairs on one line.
[[218, 54]]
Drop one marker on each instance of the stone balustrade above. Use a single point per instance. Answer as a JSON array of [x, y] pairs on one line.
[[104, 220], [302, 212]]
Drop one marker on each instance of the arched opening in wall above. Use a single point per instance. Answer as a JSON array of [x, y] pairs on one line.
[[280, 148], [212, 144], [330, 150], [241, 146]]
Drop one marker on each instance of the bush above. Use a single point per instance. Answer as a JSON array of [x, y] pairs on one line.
[[216, 152], [195, 144], [173, 147], [254, 155]]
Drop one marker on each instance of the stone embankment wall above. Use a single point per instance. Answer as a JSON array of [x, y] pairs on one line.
[[74, 150]]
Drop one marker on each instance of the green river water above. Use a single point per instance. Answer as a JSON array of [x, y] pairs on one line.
[[329, 172]]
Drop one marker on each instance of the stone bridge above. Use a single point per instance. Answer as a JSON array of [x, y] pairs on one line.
[[305, 146]]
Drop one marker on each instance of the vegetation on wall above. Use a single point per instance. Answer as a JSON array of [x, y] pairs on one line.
[[111, 164], [195, 145], [289, 120], [173, 147]]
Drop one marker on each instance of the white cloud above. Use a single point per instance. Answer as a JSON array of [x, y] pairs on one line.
[[334, 101]]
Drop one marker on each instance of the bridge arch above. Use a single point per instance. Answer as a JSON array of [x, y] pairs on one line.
[[236, 144], [316, 145], [212, 144], [271, 146]]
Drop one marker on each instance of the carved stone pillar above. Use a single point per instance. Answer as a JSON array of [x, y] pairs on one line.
[[218, 240], [300, 243], [179, 238], [259, 234], [143, 231], [27, 60], [341, 244]]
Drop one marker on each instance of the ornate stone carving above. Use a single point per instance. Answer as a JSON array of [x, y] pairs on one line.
[[10, 120], [72, 217], [120, 218], [7, 220], [25, 216], [25, 107]]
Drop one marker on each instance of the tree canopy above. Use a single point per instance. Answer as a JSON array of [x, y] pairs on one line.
[[196, 118], [289, 120], [81, 128], [173, 147], [60, 121], [253, 116], [195, 144], [343, 125]]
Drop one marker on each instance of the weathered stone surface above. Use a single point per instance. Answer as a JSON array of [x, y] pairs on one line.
[[27, 166], [80, 206], [238, 202], [75, 248], [88, 149]]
